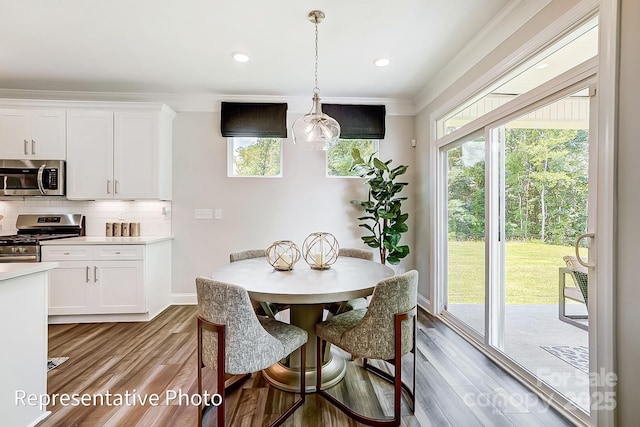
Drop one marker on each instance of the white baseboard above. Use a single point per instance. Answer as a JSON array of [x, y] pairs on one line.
[[184, 299], [39, 419]]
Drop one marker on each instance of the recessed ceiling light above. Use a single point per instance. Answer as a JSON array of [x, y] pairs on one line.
[[381, 62], [542, 65], [240, 57]]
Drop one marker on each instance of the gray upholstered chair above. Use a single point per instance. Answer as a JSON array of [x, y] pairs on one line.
[[233, 340], [385, 331], [352, 304], [260, 307]]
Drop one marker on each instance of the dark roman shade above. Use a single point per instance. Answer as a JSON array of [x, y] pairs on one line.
[[254, 119], [358, 121]]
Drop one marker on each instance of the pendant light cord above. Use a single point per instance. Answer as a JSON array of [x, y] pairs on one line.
[[316, 89]]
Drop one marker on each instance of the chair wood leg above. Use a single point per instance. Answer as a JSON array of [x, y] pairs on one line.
[[396, 379], [303, 392]]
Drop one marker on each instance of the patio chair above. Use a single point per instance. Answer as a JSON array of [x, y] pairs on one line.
[[578, 292]]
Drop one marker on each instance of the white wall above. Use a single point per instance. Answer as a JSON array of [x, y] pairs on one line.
[[258, 211]]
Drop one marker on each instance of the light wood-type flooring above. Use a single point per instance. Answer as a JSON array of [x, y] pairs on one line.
[[456, 384]]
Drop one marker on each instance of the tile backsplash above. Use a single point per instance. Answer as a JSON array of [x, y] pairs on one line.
[[154, 216]]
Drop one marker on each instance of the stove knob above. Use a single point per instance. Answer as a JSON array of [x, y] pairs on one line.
[[23, 250]]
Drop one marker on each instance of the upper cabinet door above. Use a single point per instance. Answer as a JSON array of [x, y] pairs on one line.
[[48, 135], [135, 155], [14, 134], [90, 155], [32, 134]]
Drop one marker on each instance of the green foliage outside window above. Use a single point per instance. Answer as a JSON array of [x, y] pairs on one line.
[[259, 158], [546, 187], [339, 155]]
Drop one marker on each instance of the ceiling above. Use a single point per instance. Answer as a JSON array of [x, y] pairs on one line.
[[169, 46]]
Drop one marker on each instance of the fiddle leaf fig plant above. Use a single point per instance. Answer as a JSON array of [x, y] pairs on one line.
[[384, 219]]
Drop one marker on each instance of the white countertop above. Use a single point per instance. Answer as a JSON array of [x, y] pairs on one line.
[[102, 240], [16, 269]]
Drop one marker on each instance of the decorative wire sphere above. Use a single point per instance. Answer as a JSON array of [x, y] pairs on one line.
[[320, 250], [283, 254]]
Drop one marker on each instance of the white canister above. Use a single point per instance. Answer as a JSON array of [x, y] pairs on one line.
[[109, 229], [117, 229]]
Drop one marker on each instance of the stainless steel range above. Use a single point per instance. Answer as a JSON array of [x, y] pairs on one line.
[[33, 229]]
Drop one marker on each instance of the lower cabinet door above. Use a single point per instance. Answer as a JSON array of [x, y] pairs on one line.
[[119, 287], [71, 288]]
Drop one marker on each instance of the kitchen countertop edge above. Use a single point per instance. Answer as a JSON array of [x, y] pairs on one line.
[[12, 270], [101, 240]]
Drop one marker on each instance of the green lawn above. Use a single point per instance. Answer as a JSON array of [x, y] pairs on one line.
[[532, 272]]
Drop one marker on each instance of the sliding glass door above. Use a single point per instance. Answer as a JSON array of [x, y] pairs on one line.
[[516, 200], [465, 165]]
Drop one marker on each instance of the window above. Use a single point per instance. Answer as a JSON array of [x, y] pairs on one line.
[[254, 157], [339, 155]]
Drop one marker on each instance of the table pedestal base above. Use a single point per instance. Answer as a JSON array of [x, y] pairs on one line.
[[288, 379]]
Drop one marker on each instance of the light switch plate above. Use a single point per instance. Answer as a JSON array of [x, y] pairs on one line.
[[203, 213]]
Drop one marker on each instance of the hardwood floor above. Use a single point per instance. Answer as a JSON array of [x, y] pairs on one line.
[[457, 385]]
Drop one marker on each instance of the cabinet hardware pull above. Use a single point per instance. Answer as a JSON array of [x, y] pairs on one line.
[[33, 147], [26, 150], [115, 187], [108, 187], [117, 252], [66, 253], [95, 273], [87, 274]]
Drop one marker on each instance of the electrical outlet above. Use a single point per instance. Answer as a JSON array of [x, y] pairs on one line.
[[121, 215], [217, 214]]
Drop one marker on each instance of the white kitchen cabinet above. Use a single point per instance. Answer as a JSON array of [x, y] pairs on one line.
[[89, 154], [96, 279], [70, 288], [33, 134], [123, 155]]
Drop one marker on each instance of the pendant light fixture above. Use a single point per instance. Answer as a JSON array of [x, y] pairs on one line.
[[315, 130]]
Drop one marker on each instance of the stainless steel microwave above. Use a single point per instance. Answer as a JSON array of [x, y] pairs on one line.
[[32, 177]]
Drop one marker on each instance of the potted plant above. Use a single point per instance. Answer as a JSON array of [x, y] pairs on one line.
[[384, 218]]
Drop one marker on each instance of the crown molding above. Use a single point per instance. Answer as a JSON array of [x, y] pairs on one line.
[[201, 102], [511, 18]]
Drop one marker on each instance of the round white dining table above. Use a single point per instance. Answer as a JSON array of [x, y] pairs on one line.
[[306, 290]]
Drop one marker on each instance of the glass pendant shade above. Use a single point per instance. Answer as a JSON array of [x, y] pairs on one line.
[[315, 130]]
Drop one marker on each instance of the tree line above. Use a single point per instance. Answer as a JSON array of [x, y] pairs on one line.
[[546, 186]]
